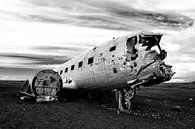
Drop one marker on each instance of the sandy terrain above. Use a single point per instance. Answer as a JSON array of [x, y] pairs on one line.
[[164, 106]]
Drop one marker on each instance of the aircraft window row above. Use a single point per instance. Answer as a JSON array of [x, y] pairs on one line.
[[90, 60], [79, 65]]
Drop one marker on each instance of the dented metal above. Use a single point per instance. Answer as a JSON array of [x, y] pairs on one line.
[[45, 86], [122, 64]]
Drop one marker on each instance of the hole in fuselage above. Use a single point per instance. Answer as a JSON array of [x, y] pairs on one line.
[[114, 70]]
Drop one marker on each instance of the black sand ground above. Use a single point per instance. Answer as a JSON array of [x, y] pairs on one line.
[[164, 106]]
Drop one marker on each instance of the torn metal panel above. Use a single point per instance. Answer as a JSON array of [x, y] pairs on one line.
[[123, 64], [26, 92], [45, 87]]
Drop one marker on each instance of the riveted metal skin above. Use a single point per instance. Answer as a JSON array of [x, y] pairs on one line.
[[46, 83]]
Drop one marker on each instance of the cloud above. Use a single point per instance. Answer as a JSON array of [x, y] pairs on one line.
[[37, 59], [60, 48], [183, 42], [181, 53], [102, 14], [46, 33]]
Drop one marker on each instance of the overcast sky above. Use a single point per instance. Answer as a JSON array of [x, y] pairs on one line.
[[40, 34]]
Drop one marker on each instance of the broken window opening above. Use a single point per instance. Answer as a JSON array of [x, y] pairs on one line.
[[90, 60], [72, 67], [66, 70], [150, 41], [112, 48], [151, 44], [80, 64], [131, 50]]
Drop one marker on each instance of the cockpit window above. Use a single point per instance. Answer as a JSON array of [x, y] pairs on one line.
[[131, 43], [142, 42], [131, 50], [150, 41]]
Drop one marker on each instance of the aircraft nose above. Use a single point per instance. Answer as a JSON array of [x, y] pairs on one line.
[[155, 72]]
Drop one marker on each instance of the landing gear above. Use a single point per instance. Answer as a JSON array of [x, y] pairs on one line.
[[124, 98]]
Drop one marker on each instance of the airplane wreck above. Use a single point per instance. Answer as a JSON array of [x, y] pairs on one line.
[[120, 65]]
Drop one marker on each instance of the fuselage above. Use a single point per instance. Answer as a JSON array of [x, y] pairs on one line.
[[116, 63]]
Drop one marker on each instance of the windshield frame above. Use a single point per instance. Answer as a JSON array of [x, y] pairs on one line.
[[150, 41]]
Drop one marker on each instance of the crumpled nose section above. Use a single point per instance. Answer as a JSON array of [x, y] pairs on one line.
[[166, 71], [154, 72]]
